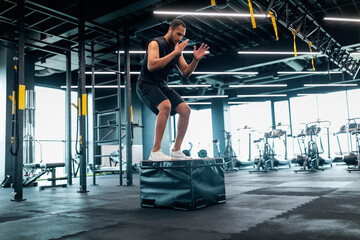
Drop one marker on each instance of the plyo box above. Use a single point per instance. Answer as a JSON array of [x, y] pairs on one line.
[[182, 184]]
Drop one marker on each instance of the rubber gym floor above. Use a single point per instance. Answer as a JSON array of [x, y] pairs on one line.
[[275, 205]]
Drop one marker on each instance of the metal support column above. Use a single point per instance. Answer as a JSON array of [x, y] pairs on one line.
[[68, 147], [18, 183], [328, 139], [128, 113], [273, 122], [290, 120], [119, 112], [249, 147], [82, 99]]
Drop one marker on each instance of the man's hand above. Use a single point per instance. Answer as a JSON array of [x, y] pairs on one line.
[[179, 47], [198, 54]]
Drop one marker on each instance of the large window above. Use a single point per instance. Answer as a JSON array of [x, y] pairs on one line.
[[332, 107], [353, 101], [252, 118], [199, 133], [282, 120], [303, 110], [282, 113], [50, 124]]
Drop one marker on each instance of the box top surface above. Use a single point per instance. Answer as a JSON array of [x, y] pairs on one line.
[[182, 163]]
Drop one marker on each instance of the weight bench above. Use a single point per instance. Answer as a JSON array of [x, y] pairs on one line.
[[45, 168]]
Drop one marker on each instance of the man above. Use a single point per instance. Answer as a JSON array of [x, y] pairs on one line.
[[162, 54]]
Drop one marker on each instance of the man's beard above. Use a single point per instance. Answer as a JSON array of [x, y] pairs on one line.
[[172, 41]]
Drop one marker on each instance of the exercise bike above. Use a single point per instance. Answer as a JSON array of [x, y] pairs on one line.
[[265, 163], [229, 153], [312, 161], [268, 161], [354, 155]]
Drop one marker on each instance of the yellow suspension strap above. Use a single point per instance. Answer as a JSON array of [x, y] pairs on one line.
[[82, 108], [84, 104], [132, 124], [14, 146], [21, 97], [213, 3], [294, 33], [312, 58], [74, 105], [79, 108], [252, 15], [274, 24], [78, 136], [13, 100]]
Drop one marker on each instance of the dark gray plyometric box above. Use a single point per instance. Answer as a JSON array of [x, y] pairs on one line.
[[182, 184]]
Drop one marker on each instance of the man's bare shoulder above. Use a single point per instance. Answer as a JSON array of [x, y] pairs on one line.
[[153, 43]]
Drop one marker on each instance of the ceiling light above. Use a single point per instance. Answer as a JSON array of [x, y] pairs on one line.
[[258, 85], [98, 86], [307, 94], [262, 95], [355, 53], [238, 102], [105, 73], [100, 73], [214, 14], [224, 73], [332, 85], [192, 86], [198, 103], [278, 53], [133, 73], [133, 51], [206, 96], [342, 19], [312, 72]]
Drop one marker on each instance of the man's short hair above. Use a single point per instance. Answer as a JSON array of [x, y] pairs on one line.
[[176, 22]]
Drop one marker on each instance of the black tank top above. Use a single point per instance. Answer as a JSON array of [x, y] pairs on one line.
[[158, 77]]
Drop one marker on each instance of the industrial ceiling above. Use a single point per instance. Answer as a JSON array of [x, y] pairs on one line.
[[51, 29]]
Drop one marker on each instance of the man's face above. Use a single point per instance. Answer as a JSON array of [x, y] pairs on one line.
[[177, 34]]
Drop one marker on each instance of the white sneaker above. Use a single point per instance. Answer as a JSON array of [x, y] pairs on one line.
[[159, 156], [179, 155]]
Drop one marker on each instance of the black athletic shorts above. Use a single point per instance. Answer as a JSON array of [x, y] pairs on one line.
[[152, 95]]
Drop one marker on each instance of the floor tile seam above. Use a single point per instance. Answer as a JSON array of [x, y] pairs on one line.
[[71, 215], [28, 217], [43, 214], [23, 210], [178, 228], [81, 232], [249, 192], [335, 191], [133, 222], [275, 217], [270, 186], [68, 214], [299, 206], [276, 194]]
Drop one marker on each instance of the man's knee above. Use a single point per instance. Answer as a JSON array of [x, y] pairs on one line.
[[165, 106], [184, 110]]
